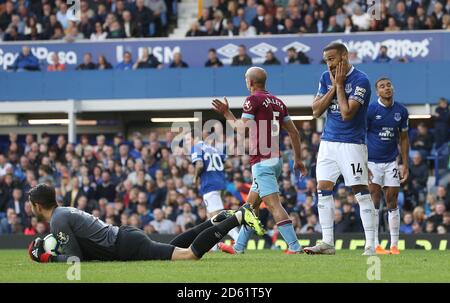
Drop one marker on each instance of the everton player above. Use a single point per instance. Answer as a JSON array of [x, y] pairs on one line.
[[210, 168], [387, 128], [344, 94], [263, 114], [84, 236]]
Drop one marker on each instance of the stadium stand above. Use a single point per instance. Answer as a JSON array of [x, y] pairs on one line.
[[143, 182]]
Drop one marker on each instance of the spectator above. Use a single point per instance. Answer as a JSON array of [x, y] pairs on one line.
[[144, 18], [178, 61], [73, 195], [103, 63], [55, 66], [407, 226], [241, 59], [99, 34], [245, 30], [186, 217], [194, 31], [213, 60], [392, 25], [115, 31], [382, 55], [161, 224], [26, 61], [87, 63], [360, 19], [418, 176], [423, 142], [230, 29], [106, 189], [438, 216], [348, 26], [271, 59], [127, 62], [441, 122], [130, 28], [147, 60], [10, 224], [292, 56], [309, 26], [145, 215], [17, 203], [311, 223]]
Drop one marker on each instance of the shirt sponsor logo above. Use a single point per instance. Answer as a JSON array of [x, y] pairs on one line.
[[386, 133]]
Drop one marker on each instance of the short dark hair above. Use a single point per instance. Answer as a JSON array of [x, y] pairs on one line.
[[212, 50], [381, 79], [43, 195], [340, 47]]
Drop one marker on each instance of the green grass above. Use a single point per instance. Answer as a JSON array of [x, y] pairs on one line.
[[254, 266]]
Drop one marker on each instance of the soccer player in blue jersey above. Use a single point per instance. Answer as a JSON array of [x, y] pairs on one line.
[[344, 94], [209, 167], [387, 127]]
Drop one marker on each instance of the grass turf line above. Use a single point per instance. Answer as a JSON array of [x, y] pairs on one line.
[[253, 266]]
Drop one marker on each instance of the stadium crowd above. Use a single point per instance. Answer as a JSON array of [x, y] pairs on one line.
[[144, 183], [104, 19]]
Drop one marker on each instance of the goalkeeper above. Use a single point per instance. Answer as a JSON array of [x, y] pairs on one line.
[[82, 235]]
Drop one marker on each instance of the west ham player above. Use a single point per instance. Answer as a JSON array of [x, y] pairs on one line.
[[387, 127], [209, 167], [84, 236], [267, 113], [344, 93]]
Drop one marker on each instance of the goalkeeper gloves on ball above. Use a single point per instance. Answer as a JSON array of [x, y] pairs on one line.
[[37, 252]]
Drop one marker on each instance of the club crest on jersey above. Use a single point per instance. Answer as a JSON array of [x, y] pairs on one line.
[[348, 88], [247, 105], [397, 117], [62, 238]]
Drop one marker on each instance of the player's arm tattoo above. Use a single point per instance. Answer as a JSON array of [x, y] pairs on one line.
[[321, 103]]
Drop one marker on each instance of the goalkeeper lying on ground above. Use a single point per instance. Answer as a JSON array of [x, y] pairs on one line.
[[88, 238]]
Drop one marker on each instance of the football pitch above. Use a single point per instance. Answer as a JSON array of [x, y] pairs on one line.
[[253, 266]]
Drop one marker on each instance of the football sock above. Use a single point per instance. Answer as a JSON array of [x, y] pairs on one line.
[[210, 236], [326, 215], [234, 233], [367, 213], [244, 234], [185, 239], [377, 226], [394, 225], [286, 229]]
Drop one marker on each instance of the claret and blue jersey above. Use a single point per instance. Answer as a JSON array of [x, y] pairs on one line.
[[213, 174], [357, 87], [384, 125]]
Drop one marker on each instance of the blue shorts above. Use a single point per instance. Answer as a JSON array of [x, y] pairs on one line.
[[265, 177]]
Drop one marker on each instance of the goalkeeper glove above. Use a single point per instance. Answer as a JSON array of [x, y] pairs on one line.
[[37, 252]]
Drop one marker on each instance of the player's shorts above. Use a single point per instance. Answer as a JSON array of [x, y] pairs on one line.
[[265, 177], [385, 174], [133, 244], [213, 201], [348, 159]]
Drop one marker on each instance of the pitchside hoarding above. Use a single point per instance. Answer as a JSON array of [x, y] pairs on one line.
[[419, 46]]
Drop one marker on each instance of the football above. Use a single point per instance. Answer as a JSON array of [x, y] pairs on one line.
[[51, 245]]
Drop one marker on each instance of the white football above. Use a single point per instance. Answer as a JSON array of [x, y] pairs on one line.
[[51, 245]]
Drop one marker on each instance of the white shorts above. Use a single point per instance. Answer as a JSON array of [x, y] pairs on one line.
[[346, 159], [213, 201], [385, 174]]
